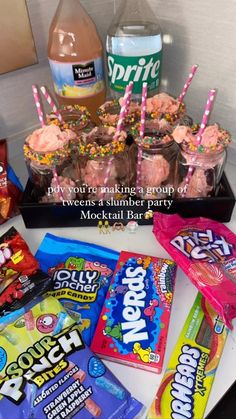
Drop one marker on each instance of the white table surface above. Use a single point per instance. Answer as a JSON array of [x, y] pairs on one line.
[[143, 385]]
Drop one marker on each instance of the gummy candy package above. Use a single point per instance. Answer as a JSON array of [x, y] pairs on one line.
[[11, 190], [46, 371], [20, 277], [206, 252], [81, 274]]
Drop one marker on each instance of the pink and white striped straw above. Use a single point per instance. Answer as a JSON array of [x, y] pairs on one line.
[[56, 179], [187, 83], [141, 134], [51, 102], [127, 96], [205, 118], [128, 93], [130, 89], [38, 105]]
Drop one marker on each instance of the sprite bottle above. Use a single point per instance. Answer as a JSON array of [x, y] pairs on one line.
[[134, 49]]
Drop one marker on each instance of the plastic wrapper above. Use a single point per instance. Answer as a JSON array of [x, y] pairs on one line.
[[187, 382], [20, 277], [10, 187], [205, 250], [81, 275], [46, 371]]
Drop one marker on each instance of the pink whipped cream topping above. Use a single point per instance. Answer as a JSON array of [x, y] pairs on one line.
[[210, 138], [49, 138], [162, 103]]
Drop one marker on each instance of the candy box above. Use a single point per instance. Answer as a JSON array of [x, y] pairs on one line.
[[133, 325], [187, 382]]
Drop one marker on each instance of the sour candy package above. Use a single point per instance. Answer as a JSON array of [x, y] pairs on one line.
[[205, 250], [81, 275], [20, 277], [48, 372], [187, 382], [133, 325]]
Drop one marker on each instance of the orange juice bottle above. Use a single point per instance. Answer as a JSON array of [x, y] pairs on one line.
[[76, 57]]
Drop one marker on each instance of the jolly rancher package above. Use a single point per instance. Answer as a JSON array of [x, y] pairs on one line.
[[187, 382], [46, 371], [133, 326], [81, 275], [206, 251]]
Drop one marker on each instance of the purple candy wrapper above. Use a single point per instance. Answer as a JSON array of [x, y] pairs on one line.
[[55, 376]]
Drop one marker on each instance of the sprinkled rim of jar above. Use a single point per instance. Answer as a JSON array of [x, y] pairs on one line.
[[49, 158], [94, 150], [168, 116], [149, 141], [81, 112], [104, 115], [201, 149]]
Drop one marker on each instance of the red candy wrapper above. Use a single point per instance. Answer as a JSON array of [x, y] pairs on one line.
[[20, 277], [10, 188], [205, 250]]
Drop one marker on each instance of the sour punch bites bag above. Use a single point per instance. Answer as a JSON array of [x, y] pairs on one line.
[[20, 277], [205, 250], [81, 274], [46, 371]]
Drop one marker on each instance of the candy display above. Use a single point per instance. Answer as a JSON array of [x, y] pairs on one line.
[[187, 382], [20, 277], [44, 373], [81, 275], [132, 328], [205, 250]]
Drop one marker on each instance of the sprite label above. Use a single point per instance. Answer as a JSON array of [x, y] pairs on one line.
[[140, 69]]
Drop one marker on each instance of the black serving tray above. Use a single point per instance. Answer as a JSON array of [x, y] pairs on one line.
[[41, 215]]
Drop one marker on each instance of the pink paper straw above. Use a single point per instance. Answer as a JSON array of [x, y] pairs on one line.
[[38, 105], [205, 118], [141, 134], [55, 177], [51, 102], [130, 89], [187, 83], [128, 92]]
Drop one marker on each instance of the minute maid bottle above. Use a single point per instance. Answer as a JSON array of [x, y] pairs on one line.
[[134, 49]]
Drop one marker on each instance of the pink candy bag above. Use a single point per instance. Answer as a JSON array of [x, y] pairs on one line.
[[205, 250]]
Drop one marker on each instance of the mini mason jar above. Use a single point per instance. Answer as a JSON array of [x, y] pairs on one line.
[[45, 150], [102, 164], [155, 175], [77, 118], [200, 162], [198, 174]]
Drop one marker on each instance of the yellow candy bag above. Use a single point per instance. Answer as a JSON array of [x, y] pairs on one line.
[[187, 382]]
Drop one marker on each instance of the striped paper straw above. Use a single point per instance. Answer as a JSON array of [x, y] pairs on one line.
[[130, 89], [141, 134], [55, 177], [51, 102], [187, 83], [205, 118], [38, 105], [128, 92]]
